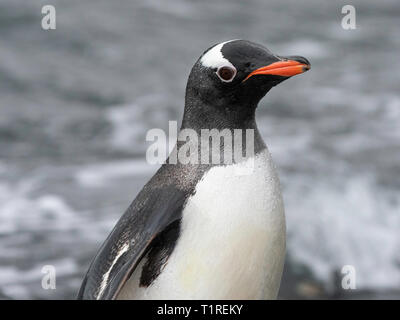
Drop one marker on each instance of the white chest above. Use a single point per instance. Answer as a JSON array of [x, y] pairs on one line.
[[232, 241]]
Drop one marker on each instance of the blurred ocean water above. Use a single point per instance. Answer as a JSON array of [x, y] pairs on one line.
[[76, 103]]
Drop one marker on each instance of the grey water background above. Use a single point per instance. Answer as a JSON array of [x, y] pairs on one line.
[[76, 103]]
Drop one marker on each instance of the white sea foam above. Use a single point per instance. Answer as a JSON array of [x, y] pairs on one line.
[[40, 230], [130, 122], [15, 282], [100, 174], [19, 211], [335, 222]]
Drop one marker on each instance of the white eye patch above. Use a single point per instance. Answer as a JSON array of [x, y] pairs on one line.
[[214, 59]]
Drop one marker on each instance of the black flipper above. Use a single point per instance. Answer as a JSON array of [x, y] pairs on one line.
[[157, 207]]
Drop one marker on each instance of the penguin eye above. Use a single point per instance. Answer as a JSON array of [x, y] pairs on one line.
[[226, 74]]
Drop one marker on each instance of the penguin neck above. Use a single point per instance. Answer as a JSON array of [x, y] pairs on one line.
[[200, 114]]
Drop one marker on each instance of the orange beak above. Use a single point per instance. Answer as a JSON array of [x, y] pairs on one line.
[[286, 68]]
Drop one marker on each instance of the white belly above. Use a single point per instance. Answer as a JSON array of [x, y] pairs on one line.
[[232, 242]]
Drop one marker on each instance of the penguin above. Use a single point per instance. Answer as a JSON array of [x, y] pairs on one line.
[[206, 230]]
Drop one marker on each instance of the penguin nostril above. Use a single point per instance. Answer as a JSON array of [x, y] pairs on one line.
[[301, 60]]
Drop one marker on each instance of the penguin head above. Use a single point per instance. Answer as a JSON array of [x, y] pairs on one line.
[[236, 74]]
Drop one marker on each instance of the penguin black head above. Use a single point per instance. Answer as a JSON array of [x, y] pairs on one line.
[[230, 78]]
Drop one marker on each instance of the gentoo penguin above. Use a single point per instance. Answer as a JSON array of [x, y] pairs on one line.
[[206, 230]]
